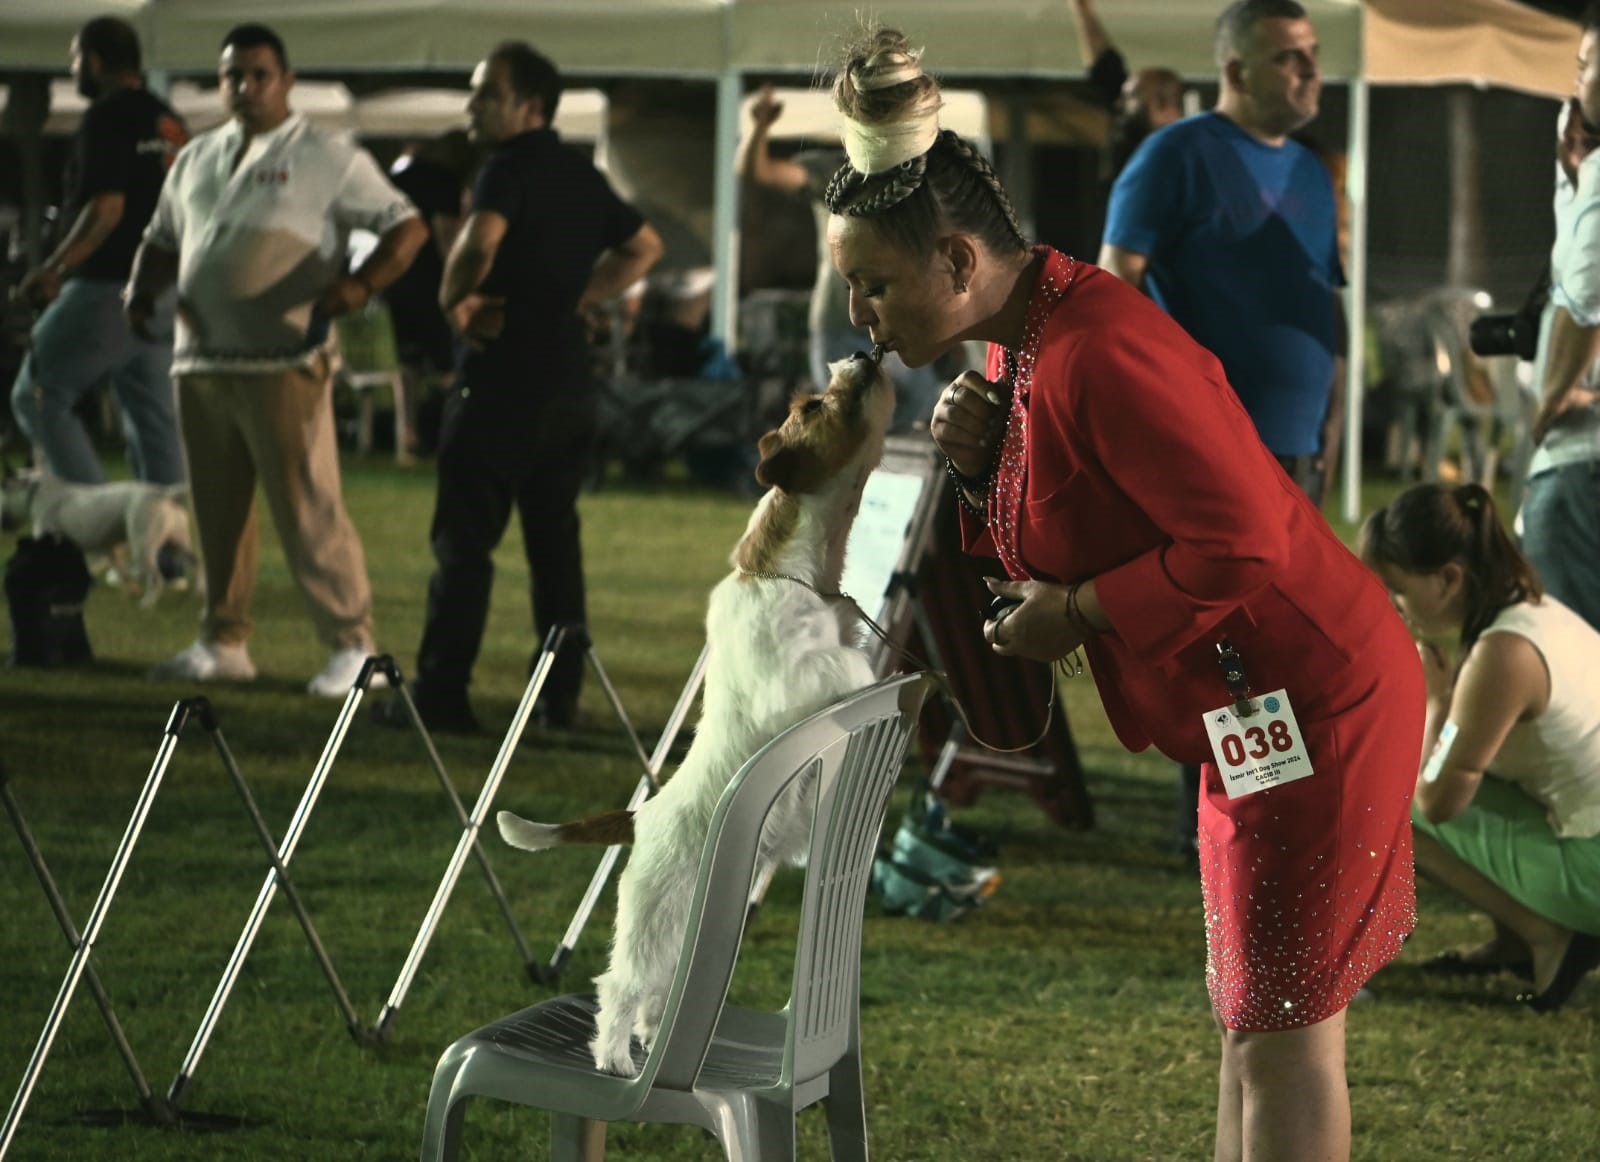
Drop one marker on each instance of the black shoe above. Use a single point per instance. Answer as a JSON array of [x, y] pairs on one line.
[[439, 716], [1582, 955], [1456, 964]]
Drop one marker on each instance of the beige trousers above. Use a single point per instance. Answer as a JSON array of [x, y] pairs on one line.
[[275, 428]]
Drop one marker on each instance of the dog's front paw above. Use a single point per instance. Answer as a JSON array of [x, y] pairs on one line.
[[611, 1058]]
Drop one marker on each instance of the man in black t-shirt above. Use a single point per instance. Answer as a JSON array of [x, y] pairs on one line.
[[118, 160], [546, 240]]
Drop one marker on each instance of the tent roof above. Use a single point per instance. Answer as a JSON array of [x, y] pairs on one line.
[[1405, 41], [1500, 41], [681, 37]]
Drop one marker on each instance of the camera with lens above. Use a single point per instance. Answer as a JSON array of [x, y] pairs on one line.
[[1516, 334]]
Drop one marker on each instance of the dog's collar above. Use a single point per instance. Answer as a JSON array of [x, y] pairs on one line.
[[802, 582]]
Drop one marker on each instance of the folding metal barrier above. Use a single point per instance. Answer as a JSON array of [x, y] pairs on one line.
[[563, 636], [162, 1111]]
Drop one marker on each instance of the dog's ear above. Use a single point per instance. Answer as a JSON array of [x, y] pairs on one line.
[[785, 466]]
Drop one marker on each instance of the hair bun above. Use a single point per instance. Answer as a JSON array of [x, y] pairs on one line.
[[890, 107], [887, 67]]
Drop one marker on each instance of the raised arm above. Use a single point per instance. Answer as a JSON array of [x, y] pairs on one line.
[[754, 160], [1092, 38]]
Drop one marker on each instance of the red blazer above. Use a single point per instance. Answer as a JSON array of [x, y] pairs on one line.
[[1145, 474]]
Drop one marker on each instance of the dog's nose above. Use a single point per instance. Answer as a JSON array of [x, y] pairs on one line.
[[874, 356]]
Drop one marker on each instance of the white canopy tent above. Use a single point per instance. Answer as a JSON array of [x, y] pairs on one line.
[[402, 112], [1382, 41]]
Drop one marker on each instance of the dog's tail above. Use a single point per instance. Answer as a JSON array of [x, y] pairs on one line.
[[612, 827]]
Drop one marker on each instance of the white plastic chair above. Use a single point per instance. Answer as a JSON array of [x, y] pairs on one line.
[[741, 1073]]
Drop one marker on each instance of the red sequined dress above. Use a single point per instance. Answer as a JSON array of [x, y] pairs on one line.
[[1128, 461]]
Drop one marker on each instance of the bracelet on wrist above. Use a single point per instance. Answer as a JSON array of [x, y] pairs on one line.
[[1074, 612], [976, 485]]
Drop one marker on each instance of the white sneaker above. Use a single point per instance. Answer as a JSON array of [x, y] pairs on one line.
[[343, 667], [207, 662]]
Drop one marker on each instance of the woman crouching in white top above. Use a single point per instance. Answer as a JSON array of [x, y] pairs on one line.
[[1507, 806]]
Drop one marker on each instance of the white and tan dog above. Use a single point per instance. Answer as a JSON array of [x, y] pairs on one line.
[[103, 518], [781, 648]]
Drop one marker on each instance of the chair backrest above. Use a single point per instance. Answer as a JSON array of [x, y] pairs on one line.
[[853, 750]]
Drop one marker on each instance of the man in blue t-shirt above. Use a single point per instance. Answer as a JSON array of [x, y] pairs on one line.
[[1232, 227]]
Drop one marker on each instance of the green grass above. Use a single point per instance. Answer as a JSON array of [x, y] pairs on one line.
[[1066, 1020]]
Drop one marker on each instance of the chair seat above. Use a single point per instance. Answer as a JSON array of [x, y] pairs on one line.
[[746, 1050]]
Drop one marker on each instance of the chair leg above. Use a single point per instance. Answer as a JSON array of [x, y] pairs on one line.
[[441, 1127], [846, 1110], [756, 1131], [402, 392], [575, 1139]]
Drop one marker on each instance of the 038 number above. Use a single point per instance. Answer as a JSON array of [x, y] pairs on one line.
[[1275, 737]]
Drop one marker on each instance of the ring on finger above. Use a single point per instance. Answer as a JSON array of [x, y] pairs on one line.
[[954, 393]]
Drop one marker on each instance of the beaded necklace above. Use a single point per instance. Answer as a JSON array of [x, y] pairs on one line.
[[1010, 474]]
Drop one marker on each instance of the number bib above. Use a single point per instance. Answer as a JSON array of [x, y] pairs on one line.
[[1261, 751]]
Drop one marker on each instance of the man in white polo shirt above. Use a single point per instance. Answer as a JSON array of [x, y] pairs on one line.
[[252, 225]]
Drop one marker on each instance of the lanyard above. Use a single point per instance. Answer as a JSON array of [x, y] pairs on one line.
[[1233, 677]]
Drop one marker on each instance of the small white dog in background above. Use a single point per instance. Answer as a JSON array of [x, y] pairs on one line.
[[128, 520], [783, 645]]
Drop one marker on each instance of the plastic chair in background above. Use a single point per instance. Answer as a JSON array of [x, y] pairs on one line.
[[365, 358], [741, 1073]]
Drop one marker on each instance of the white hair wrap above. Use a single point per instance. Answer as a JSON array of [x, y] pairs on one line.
[[875, 148]]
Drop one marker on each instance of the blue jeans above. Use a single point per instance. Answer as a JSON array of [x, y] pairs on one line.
[[1561, 535], [81, 339]]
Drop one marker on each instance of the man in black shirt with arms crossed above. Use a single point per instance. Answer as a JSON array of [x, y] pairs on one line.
[[547, 239]]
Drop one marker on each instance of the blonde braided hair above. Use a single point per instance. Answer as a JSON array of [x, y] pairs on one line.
[[881, 86]]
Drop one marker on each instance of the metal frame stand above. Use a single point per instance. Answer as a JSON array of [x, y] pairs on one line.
[[567, 635], [161, 1110], [154, 1106]]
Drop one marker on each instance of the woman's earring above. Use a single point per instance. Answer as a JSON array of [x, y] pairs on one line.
[[961, 286]]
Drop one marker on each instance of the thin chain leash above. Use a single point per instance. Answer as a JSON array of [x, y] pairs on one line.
[[939, 678]]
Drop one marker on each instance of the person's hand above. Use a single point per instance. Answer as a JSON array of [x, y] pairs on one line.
[[1436, 674], [343, 296], [968, 422], [139, 307], [766, 108], [479, 319], [1039, 628], [1550, 414], [40, 286]]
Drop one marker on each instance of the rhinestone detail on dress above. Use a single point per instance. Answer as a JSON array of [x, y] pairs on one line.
[[1010, 475]]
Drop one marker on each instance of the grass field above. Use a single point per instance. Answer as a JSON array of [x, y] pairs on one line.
[[1067, 1020]]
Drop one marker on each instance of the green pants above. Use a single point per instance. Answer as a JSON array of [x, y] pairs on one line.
[[1506, 836]]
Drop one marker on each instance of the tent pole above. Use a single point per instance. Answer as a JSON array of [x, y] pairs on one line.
[[1356, 304], [725, 214]]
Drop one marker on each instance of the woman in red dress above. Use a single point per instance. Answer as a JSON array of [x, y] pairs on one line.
[[1107, 463]]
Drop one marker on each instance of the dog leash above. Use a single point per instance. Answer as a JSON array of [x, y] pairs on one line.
[[938, 677]]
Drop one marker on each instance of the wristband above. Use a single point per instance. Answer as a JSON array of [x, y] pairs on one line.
[[964, 484]]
